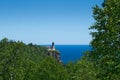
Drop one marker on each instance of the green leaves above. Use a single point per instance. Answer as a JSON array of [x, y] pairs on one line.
[[17, 59], [81, 70], [51, 69], [106, 41]]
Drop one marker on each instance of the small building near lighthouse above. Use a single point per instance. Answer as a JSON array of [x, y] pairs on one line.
[[53, 52]]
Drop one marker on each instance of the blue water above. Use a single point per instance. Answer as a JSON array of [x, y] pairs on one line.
[[72, 53]]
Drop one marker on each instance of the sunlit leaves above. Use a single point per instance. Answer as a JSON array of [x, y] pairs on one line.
[[106, 39]]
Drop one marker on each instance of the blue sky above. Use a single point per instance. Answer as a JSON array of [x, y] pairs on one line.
[[44, 21]]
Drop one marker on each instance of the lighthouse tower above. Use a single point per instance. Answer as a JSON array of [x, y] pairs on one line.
[[54, 53], [53, 46]]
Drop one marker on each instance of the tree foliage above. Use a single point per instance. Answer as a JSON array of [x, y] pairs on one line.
[[81, 70], [19, 61], [106, 40], [17, 58]]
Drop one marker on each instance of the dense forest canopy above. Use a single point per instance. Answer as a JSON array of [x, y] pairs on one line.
[[19, 61], [106, 40]]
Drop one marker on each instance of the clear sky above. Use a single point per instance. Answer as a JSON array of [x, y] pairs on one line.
[[44, 21]]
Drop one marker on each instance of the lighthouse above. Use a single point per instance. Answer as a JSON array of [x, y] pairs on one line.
[[53, 46], [53, 52]]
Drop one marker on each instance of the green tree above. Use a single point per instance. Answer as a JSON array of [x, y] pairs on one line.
[[106, 40], [81, 70], [50, 69], [19, 61]]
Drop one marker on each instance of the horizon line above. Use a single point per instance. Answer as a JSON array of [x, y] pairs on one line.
[[64, 44]]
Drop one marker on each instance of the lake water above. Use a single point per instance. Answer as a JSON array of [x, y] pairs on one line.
[[72, 53]]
